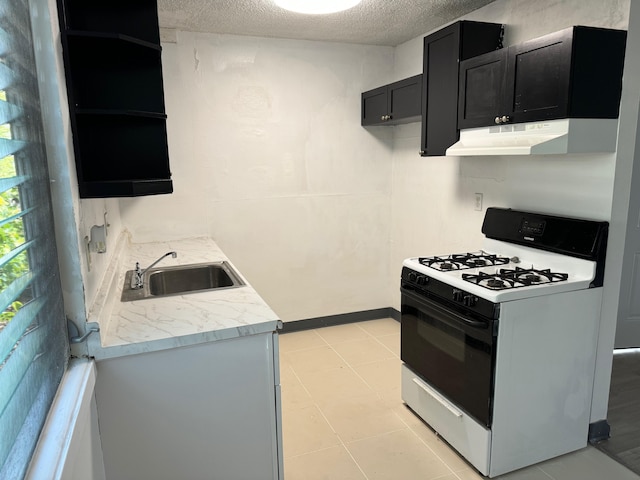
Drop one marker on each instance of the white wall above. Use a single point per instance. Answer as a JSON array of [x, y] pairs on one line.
[[268, 157], [433, 198]]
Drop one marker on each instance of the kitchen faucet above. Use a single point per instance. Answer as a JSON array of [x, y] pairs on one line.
[[137, 280]]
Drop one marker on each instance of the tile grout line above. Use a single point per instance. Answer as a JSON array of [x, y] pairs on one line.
[[342, 442]]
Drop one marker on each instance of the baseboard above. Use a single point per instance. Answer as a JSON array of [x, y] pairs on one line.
[[342, 319], [599, 431]]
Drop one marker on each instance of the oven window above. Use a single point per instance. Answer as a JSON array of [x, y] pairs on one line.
[[448, 339], [454, 358]]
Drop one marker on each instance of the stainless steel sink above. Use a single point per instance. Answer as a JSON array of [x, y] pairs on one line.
[[181, 280]]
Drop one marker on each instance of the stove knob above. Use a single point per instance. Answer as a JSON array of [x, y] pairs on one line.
[[458, 295], [469, 300], [422, 280], [412, 276]]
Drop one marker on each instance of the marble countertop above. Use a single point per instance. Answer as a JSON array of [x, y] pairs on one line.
[[152, 324]]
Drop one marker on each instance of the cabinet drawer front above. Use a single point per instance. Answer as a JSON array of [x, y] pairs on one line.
[[468, 437]]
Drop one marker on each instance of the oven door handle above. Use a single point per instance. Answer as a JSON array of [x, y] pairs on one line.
[[441, 311]]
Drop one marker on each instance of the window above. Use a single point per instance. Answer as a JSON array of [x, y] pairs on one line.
[[33, 339]]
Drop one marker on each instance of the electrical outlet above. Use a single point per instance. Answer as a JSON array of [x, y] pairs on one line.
[[478, 204]]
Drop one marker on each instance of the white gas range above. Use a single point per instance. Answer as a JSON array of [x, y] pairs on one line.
[[499, 344]]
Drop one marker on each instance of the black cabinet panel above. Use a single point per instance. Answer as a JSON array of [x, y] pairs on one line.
[[112, 58], [136, 18], [114, 73], [440, 71], [404, 100], [538, 75], [573, 73], [393, 104], [122, 147], [374, 106], [443, 52], [481, 86]]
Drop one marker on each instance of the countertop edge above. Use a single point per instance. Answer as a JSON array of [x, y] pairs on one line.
[[100, 352]]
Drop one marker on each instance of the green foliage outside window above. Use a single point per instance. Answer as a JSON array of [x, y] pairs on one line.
[[11, 233]]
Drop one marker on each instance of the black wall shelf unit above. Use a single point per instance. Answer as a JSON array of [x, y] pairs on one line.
[[112, 60]]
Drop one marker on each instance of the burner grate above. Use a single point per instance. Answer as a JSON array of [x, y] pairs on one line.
[[506, 278], [463, 261]]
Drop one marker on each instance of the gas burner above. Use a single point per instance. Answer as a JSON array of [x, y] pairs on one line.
[[506, 278], [463, 261]]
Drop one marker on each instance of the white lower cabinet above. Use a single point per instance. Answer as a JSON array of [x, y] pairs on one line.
[[207, 411]]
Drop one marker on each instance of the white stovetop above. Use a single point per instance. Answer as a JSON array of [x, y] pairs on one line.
[[159, 323], [581, 272]]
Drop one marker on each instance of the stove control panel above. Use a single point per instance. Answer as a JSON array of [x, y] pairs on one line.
[[445, 294], [467, 299], [418, 278]]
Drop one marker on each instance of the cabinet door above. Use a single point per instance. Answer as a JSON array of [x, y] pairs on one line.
[[482, 82], [537, 79], [443, 52], [404, 100], [440, 90], [204, 411], [374, 106]]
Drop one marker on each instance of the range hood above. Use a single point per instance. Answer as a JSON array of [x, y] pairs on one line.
[[553, 137]]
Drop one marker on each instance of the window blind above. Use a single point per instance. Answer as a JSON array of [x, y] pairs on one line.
[[33, 338]]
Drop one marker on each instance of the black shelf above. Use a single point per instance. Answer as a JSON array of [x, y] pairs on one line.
[[122, 113], [85, 35], [135, 18], [113, 68], [125, 188], [108, 73], [122, 147]]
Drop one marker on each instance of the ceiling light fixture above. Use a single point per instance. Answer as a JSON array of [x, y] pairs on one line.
[[317, 6]]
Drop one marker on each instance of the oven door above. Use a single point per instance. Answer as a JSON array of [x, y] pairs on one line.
[[453, 351]]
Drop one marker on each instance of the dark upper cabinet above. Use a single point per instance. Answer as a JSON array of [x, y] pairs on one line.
[[113, 69], [443, 52], [393, 104], [573, 73]]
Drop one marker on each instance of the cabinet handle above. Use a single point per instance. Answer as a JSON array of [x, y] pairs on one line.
[[422, 153], [383, 118], [498, 120], [505, 118]]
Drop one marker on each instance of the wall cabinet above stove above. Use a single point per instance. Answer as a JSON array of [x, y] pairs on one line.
[[443, 51], [112, 60], [393, 104], [573, 73]]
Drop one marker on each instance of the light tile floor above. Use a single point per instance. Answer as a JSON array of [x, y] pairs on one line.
[[343, 417]]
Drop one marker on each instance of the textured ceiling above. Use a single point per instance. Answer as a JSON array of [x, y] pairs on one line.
[[374, 22]]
